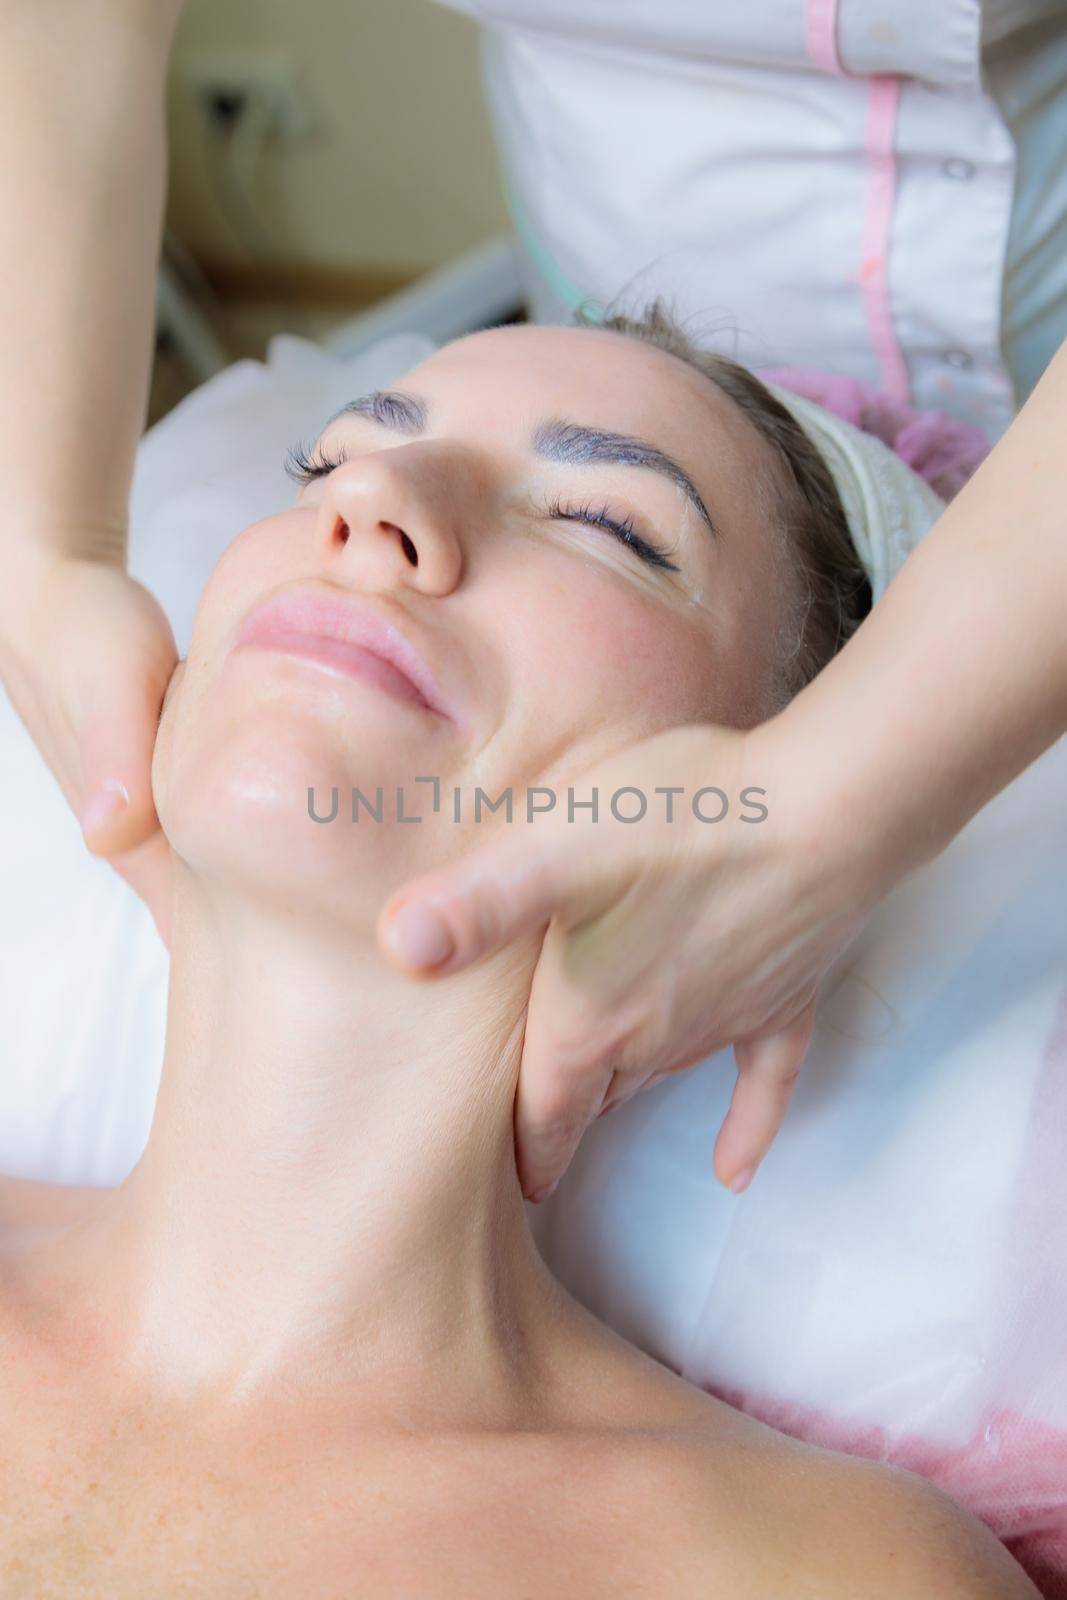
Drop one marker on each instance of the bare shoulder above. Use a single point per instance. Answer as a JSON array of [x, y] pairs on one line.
[[761, 1514], [911, 1539], [842, 1526], [759, 1510], [729, 1505]]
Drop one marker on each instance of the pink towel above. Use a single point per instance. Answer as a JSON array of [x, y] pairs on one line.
[[941, 450]]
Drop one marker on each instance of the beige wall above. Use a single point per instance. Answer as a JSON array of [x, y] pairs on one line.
[[402, 176]]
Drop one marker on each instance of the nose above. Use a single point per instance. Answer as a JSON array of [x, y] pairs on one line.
[[389, 518]]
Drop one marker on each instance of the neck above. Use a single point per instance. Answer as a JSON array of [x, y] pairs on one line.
[[329, 1187]]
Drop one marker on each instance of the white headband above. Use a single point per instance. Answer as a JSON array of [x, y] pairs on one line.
[[888, 506]]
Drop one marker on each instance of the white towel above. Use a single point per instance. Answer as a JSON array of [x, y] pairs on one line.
[[888, 506]]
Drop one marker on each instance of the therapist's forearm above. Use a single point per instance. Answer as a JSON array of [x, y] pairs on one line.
[[82, 185], [958, 678]]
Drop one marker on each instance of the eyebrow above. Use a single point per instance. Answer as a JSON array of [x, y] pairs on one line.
[[404, 413], [571, 443]]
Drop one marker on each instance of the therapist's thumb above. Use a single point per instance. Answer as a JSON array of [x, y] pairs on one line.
[[449, 919]]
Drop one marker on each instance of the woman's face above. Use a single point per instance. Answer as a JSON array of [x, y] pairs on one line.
[[468, 513]]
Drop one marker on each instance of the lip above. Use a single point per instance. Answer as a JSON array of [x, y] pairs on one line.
[[331, 627]]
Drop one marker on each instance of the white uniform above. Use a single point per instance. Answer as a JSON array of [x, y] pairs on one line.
[[878, 189]]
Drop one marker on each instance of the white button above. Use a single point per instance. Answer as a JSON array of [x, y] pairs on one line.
[[957, 358], [956, 167]]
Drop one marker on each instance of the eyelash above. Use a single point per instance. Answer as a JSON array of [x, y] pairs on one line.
[[302, 466], [305, 467], [600, 517]]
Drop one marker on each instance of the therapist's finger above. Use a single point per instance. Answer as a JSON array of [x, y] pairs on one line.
[[580, 1049], [558, 1095], [767, 1072], [118, 812], [551, 1114], [116, 711]]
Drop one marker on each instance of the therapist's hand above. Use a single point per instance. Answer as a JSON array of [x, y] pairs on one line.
[[665, 940], [85, 655]]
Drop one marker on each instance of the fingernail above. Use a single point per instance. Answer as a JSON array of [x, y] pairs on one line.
[[110, 799], [419, 937], [743, 1179]]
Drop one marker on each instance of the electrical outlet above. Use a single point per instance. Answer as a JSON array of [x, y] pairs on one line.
[[265, 80]]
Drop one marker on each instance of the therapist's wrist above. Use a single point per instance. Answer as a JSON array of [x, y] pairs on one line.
[[32, 556], [31, 546], [835, 821]]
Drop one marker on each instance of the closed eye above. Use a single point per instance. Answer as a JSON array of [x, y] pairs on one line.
[[304, 466], [600, 517]]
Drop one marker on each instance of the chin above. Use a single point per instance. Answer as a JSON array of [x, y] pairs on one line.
[[260, 795]]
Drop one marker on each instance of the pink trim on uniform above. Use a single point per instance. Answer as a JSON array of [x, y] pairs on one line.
[[882, 102], [820, 41], [820, 35]]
